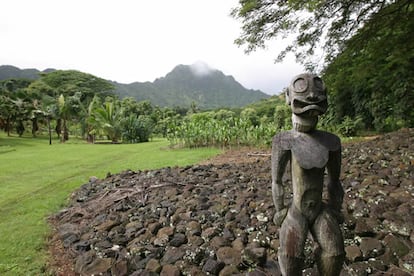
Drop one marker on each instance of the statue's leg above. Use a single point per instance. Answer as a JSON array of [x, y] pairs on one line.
[[327, 233], [292, 236]]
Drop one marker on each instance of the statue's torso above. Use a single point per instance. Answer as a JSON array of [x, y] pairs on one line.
[[309, 157]]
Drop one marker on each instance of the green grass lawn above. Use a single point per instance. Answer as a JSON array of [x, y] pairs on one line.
[[36, 179]]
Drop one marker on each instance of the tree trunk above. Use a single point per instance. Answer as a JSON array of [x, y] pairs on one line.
[[90, 138], [8, 126], [65, 131], [35, 127], [20, 128], [50, 131], [58, 127]]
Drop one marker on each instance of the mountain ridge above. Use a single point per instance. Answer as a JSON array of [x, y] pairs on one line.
[[183, 86]]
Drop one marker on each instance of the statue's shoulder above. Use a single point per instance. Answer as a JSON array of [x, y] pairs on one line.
[[329, 140], [287, 140], [283, 140]]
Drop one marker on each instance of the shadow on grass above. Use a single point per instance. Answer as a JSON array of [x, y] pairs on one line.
[[10, 143], [24, 141]]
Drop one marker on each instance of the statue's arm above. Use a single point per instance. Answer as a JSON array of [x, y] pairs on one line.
[[335, 190], [280, 158]]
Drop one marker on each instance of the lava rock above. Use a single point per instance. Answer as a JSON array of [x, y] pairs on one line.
[[216, 218]]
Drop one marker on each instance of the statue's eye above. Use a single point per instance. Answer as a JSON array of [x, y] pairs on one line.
[[318, 83], [300, 85]]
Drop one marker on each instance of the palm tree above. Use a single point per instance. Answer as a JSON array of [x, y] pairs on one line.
[[90, 125], [64, 112], [108, 117]]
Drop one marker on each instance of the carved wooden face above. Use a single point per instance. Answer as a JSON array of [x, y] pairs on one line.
[[307, 95]]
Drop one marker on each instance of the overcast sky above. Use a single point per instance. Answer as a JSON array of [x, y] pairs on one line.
[[135, 40]]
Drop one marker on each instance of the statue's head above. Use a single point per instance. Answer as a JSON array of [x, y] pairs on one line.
[[307, 98]]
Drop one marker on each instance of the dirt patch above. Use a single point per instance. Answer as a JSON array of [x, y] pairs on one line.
[[239, 156], [60, 263]]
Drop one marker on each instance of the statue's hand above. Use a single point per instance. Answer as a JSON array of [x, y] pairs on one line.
[[280, 216]]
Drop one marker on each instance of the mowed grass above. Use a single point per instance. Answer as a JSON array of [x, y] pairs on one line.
[[36, 180]]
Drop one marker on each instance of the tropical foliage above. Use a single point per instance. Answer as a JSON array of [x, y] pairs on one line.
[[222, 128], [368, 50], [63, 99], [368, 69], [70, 99], [374, 80], [310, 25], [16, 105]]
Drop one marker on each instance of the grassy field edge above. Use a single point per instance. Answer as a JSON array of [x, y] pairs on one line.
[[36, 180]]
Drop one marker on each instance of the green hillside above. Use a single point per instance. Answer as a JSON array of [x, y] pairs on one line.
[[184, 86]]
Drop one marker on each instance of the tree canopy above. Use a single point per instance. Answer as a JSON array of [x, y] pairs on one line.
[[368, 48], [69, 82], [314, 24], [374, 78]]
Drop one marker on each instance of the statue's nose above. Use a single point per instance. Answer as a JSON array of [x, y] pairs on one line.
[[312, 96]]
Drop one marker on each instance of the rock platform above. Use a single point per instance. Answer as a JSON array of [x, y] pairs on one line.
[[216, 218]]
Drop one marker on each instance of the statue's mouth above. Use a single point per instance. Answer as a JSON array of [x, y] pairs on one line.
[[303, 107]]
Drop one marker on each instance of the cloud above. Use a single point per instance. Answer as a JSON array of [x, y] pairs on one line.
[[128, 41], [200, 68]]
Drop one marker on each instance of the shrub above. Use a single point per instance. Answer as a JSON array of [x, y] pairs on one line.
[[136, 129]]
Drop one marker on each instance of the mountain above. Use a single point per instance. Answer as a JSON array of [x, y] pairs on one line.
[[186, 84], [9, 71]]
